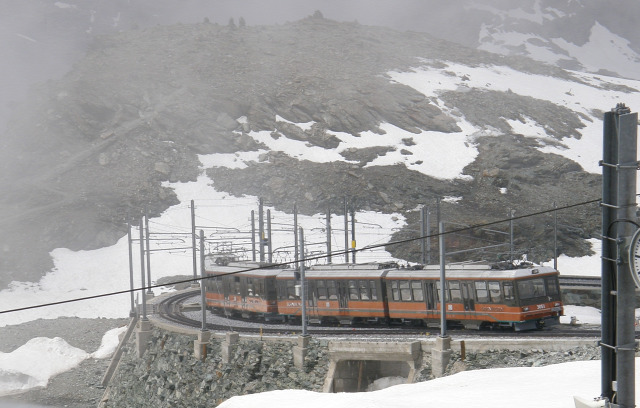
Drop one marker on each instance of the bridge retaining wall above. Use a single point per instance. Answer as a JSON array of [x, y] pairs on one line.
[[170, 374]]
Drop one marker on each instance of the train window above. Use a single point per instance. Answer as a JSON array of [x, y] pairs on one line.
[[482, 294], [236, 285], [364, 290], [416, 291], [332, 290], [291, 289], [494, 292], [530, 288], [250, 287], [283, 289], [353, 290], [509, 294], [405, 291], [270, 290], [454, 289], [374, 290], [438, 291], [322, 290], [552, 286], [395, 290]]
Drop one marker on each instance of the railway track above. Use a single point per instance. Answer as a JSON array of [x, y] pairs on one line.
[[170, 309], [569, 281]]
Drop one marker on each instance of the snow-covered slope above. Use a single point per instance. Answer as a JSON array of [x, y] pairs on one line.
[[581, 35]]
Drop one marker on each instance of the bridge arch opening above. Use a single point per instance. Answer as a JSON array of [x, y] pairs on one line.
[[364, 366], [369, 375]]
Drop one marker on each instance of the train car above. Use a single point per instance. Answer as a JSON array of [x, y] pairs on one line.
[[344, 293], [524, 298], [246, 289]]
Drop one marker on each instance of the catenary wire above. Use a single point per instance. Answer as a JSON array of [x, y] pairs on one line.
[[339, 253]]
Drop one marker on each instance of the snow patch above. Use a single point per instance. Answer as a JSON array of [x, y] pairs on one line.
[[34, 363], [604, 50], [498, 388], [62, 5], [385, 382], [582, 266], [110, 342], [583, 315]]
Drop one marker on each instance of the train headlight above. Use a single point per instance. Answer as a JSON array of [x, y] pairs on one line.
[[525, 309]]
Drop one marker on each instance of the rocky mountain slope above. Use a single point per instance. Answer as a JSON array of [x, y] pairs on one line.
[[88, 153], [583, 35]]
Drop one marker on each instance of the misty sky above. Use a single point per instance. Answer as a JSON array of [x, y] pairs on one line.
[[41, 39]]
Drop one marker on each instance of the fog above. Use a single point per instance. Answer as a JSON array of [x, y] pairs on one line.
[[41, 39]]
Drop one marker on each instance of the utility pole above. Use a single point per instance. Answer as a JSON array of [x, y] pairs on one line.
[[253, 236], [261, 229], [423, 233], [269, 245], [438, 213], [511, 214], [428, 229], [132, 313], [346, 232], [295, 233], [146, 228], [328, 228], [142, 280], [443, 299], [555, 236], [203, 301], [619, 167], [193, 242], [303, 286], [353, 235]]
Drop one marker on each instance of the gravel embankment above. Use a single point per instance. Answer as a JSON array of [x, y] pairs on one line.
[[78, 388]]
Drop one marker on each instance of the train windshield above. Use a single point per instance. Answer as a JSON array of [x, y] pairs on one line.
[[531, 288], [538, 287]]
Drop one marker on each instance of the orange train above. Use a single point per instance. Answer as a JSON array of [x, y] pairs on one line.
[[523, 297]]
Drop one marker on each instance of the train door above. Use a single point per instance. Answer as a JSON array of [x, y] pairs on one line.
[[312, 295], [247, 288], [430, 296], [384, 297], [467, 296], [343, 295], [228, 285]]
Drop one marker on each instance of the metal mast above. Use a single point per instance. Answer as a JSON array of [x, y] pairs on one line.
[[619, 167]]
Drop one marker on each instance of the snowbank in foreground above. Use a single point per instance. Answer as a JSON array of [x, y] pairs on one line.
[[34, 363], [525, 387]]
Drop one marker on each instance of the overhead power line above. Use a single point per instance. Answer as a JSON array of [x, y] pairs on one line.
[[313, 258]]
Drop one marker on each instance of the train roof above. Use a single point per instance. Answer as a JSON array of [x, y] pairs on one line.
[[472, 271], [378, 270], [353, 267], [313, 273], [244, 269]]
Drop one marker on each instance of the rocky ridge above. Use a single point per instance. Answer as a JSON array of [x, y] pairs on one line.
[[169, 375], [89, 153]]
